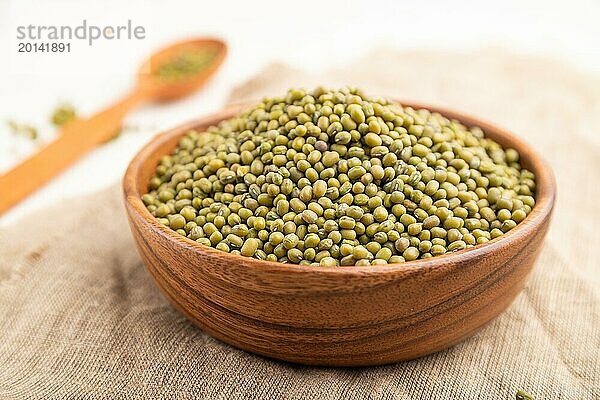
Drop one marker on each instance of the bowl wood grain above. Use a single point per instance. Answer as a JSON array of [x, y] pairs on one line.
[[347, 316]]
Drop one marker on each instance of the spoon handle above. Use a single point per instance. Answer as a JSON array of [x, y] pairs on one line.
[[74, 140]]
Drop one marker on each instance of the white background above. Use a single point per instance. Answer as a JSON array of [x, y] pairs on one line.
[[310, 35]]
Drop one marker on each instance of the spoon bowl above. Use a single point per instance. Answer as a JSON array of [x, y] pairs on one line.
[[164, 89]]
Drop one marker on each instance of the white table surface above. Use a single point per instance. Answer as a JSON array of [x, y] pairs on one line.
[[310, 35]]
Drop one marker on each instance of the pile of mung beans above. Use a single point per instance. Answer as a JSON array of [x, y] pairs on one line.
[[187, 63], [337, 178]]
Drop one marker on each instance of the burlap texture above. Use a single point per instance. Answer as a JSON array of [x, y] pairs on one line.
[[80, 317]]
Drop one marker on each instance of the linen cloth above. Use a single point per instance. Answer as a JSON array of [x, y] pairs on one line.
[[81, 319]]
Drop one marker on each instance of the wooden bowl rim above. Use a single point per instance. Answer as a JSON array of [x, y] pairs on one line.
[[545, 198]]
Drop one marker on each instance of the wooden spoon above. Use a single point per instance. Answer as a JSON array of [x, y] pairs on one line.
[[80, 136]]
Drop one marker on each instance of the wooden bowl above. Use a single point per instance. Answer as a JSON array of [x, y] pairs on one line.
[[347, 316]]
